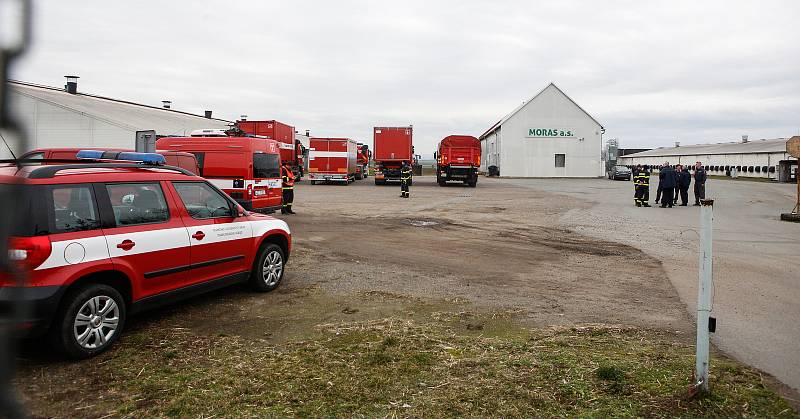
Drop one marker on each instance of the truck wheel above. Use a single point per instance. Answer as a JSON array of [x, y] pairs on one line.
[[313, 182], [442, 182], [379, 182], [89, 321], [267, 270], [473, 183]]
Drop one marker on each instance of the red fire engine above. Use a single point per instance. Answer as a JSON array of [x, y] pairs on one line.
[[393, 147], [458, 157], [246, 168]]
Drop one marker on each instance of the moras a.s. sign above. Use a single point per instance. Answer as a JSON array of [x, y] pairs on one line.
[[549, 133]]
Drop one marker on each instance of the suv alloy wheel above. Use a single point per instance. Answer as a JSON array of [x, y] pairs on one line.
[[90, 319], [268, 268]]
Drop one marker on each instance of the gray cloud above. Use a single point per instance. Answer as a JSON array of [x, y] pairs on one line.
[[651, 72]]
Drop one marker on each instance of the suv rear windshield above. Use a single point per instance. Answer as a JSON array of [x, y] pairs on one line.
[[26, 219], [266, 166]]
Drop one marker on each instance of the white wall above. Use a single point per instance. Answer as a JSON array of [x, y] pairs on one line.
[[51, 126], [523, 156], [490, 151]]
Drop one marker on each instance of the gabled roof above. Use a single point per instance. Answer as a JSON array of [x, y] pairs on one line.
[[777, 145], [519, 108], [124, 114]]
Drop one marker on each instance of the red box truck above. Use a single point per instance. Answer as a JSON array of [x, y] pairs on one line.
[[332, 160], [291, 149], [393, 146], [458, 157]]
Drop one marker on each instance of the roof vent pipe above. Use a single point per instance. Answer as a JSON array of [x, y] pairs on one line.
[[744, 138], [72, 84], [208, 114], [167, 104]]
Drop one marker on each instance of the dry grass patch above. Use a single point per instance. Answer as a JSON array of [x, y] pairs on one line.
[[399, 367]]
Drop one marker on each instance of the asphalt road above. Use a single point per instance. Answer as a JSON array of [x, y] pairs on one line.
[[756, 257]]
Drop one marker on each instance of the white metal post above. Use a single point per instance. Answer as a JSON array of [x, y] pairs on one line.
[[704, 293]]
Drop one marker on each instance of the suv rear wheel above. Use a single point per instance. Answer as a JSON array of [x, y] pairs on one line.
[[89, 321], [268, 268]]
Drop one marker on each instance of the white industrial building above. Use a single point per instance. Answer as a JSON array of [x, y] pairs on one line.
[[64, 117], [547, 136], [764, 158]]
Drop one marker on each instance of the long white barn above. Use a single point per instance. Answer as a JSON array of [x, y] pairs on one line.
[[765, 158], [53, 117]]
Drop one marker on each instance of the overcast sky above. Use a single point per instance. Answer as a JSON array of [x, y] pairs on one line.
[[651, 72]]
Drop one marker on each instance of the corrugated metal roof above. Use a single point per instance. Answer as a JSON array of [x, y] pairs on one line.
[[777, 145], [121, 113], [519, 108]]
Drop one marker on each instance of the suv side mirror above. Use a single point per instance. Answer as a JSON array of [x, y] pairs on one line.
[[434, 155]]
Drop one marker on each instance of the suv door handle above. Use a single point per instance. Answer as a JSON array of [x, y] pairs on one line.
[[126, 245], [199, 235]]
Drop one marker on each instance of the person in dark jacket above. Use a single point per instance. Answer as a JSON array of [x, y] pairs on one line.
[[658, 188], [667, 182], [700, 178], [287, 187], [684, 180], [677, 193], [405, 180], [641, 181]]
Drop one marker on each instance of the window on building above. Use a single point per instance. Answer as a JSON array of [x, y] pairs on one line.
[[561, 160]]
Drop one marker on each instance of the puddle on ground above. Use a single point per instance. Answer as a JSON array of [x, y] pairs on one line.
[[423, 223]]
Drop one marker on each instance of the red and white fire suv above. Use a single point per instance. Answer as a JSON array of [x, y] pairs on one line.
[[97, 241]]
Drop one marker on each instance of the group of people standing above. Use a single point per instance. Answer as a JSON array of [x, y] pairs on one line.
[[673, 183]]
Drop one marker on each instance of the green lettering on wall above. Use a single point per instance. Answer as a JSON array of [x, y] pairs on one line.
[[550, 132]]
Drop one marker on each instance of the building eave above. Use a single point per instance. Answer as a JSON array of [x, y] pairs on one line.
[[525, 103]]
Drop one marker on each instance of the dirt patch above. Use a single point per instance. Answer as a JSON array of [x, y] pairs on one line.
[[554, 276]]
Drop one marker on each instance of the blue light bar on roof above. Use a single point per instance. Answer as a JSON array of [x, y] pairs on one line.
[[146, 158]]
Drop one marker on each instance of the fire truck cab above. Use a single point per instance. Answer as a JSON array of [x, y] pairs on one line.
[[246, 168]]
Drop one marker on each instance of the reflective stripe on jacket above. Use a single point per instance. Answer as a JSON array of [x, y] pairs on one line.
[[287, 177], [641, 179], [405, 174]]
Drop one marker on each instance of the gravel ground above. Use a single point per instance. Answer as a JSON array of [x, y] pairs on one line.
[[495, 246]]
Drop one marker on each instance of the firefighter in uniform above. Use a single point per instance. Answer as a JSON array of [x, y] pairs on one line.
[[641, 182], [287, 178], [405, 180]]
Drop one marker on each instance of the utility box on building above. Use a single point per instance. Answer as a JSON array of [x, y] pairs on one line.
[[146, 141]]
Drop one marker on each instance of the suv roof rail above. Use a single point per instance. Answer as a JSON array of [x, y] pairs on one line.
[[36, 161], [46, 172]]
